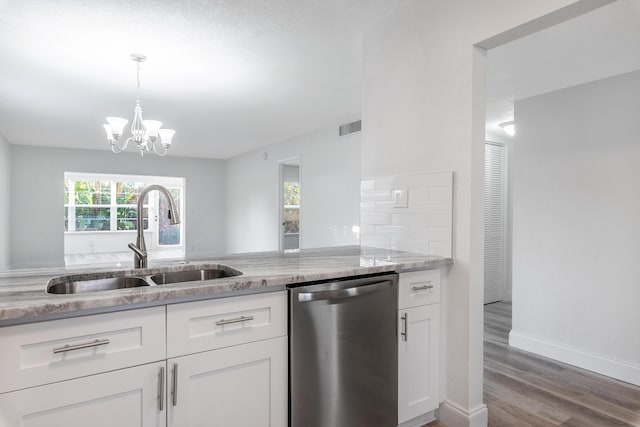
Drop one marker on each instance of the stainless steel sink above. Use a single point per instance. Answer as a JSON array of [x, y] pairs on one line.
[[95, 282], [94, 285], [193, 275]]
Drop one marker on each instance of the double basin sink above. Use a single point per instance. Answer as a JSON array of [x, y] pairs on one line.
[[106, 281]]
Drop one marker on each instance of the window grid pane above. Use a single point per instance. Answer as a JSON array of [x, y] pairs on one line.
[[93, 219]]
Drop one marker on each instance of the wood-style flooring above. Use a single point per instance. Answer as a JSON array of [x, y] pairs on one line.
[[521, 389]]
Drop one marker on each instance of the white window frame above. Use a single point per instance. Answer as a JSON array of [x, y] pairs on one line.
[[152, 204]]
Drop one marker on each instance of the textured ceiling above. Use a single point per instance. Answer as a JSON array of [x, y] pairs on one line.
[[597, 45], [229, 76]]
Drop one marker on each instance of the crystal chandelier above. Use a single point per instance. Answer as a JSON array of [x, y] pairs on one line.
[[145, 133]]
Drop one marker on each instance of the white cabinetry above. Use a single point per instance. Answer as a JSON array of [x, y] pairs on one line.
[[244, 385], [42, 365], [227, 366], [242, 379], [418, 348], [123, 398]]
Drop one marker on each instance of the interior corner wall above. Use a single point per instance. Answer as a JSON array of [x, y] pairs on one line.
[[5, 194], [423, 111], [329, 192], [576, 226], [37, 180]]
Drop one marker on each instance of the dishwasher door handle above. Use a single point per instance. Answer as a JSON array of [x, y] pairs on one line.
[[344, 293]]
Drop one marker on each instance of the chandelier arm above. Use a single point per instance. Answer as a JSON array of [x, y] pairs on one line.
[[115, 145], [162, 152]]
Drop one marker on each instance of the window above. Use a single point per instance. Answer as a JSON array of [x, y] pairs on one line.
[[101, 217], [291, 207]]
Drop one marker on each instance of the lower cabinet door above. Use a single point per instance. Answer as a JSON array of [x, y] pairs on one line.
[[124, 398], [239, 386], [418, 361]]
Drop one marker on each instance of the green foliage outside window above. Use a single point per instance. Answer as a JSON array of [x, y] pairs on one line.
[[291, 199], [292, 193]]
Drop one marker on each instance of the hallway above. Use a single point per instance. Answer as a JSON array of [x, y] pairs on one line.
[[521, 389]]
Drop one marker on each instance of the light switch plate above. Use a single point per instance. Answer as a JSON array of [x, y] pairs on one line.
[[400, 198]]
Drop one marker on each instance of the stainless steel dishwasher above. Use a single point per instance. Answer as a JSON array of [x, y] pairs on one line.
[[343, 353]]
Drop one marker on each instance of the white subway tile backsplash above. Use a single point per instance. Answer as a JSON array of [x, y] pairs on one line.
[[418, 194], [376, 218], [440, 248], [376, 241], [393, 182], [440, 194], [424, 226], [437, 207], [392, 230], [367, 207], [439, 234], [417, 233], [368, 185], [387, 207], [375, 196], [415, 220], [439, 220], [367, 230], [409, 245]]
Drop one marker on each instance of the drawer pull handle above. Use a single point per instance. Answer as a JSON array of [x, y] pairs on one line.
[[174, 392], [68, 347], [405, 327], [236, 320], [422, 288], [161, 389]]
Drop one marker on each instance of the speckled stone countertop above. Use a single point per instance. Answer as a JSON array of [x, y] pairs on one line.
[[23, 296]]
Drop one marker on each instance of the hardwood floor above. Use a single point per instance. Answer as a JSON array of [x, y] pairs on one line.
[[521, 389]]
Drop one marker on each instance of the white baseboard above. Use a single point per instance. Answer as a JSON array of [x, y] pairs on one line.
[[455, 416], [419, 421], [623, 371]]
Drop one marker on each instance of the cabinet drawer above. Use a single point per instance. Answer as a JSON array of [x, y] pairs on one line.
[[419, 288], [42, 353], [205, 325]]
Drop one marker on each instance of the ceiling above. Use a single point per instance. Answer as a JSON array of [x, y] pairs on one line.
[[228, 75], [597, 45]]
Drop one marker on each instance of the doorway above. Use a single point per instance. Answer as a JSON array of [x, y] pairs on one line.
[[290, 204]]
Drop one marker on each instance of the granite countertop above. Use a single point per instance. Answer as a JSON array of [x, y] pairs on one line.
[[23, 296]]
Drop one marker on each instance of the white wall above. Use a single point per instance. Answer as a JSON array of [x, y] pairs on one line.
[[577, 226], [329, 192], [5, 194], [37, 179], [423, 111]]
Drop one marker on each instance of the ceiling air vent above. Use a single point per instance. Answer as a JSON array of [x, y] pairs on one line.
[[350, 128]]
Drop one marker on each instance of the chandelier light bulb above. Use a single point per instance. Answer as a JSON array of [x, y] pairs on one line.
[[144, 133], [165, 136], [153, 126], [117, 125]]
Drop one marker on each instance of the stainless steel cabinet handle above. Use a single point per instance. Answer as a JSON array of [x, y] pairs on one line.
[[236, 320], [405, 326], [422, 288], [80, 346], [174, 391], [161, 389], [343, 293]]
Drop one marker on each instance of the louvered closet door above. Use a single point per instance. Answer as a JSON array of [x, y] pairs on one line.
[[494, 222]]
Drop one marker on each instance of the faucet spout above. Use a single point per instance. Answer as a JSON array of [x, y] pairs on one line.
[[140, 248]]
